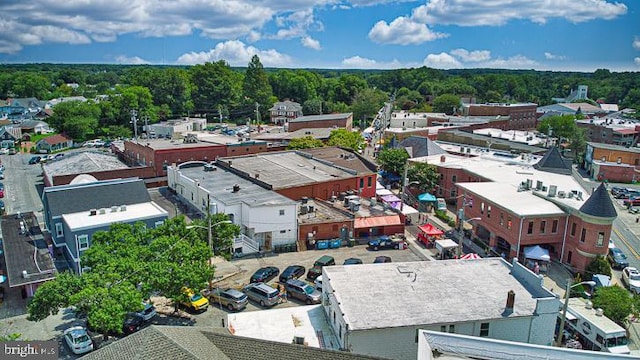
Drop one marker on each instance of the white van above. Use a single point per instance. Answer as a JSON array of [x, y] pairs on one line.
[[442, 204]]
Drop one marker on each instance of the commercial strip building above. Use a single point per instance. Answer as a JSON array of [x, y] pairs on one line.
[[519, 201], [341, 120], [485, 297], [615, 163]]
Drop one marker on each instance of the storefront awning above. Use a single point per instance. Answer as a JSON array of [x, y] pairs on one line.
[[430, 230], [376, 221]]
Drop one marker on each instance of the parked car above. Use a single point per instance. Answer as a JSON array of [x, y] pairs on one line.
[[631, 278], [1, 190], [352, 261], [265, 274], [291, 272], [316, 270], [615, 190], [132, 323], [302, 291], [381, 259], [148, 312], [196, 301], [78, 340], [35, 159], [232, 299], [12, 151], [632, 201], [4, 151], [262, 293], [617, 258], [383, 242], [318, 283], [2, 209]]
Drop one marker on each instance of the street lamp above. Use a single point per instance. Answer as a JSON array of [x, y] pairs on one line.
[[566, 305], [210, 239]]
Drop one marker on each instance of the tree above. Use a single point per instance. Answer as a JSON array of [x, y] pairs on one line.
[[30, 84], [615, 301], [128, 263], [347, 139], [215, 85], [307, 142], [366, 104], [561, 126], [599, 265], [425, 174], [256, 87], [77, 119], [393, 160], [222, 234], [446, 103], [312, 107]]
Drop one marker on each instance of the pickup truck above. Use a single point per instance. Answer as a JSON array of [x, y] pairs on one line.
[[384, 242]]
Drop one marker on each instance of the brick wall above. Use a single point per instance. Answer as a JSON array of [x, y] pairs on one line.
[[340, 123], [140, 172]]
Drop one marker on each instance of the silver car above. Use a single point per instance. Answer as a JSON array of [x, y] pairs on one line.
[[232, 299], [78, 340], [262, 293], [303, 291]]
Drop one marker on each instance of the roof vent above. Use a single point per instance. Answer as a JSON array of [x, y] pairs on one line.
[[236, 188], [114, 209], [93, 212], [588, 305], [298, 340], [102, 211], [123, 207], [599, 312], [304, 199], [552, 190]]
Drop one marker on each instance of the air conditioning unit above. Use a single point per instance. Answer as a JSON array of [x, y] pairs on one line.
[[561, 194], [102, 211], [298, 340]]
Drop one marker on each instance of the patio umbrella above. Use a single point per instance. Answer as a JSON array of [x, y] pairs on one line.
[[426, 197], [471, 256]]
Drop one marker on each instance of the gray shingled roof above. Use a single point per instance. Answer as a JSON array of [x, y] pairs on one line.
[[599, 204], [67, 199], [553, 162], [419, 146], [192, 343]]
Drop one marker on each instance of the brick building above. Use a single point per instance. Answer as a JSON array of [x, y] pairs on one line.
[[522, 116], [343, 121], [612, 162], [520, 201], [611, 131]]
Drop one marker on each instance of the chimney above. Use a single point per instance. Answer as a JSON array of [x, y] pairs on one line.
[[236, 188], [442, 158], [511, 299]]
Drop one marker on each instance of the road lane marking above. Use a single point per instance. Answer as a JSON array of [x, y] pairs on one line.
[[624, 240]]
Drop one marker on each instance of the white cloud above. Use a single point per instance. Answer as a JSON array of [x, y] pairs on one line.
[[442, 61], [637, 61], [135, 60], [636, 43], [253, 36], [357, 62], [472, 56], [462, 58], [550, 56], [499, 12], [309, 42], [402, 31], [236, 53]]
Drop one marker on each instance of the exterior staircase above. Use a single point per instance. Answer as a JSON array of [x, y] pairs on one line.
[[246, 245]]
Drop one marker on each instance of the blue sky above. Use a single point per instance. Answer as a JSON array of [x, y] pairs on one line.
[[562, 35]]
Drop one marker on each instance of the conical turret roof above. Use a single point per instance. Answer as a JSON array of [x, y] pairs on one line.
[[553, 162], [599, 204]]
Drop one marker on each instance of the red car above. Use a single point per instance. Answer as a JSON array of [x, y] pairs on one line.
[[1, 190], [634, 201]]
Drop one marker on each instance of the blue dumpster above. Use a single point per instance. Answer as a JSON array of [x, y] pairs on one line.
[[335, 243], [322, 244]]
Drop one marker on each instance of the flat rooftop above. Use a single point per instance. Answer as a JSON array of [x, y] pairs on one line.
[[220, 139], [25, 251], [220, 184], [285, 169], [283, 324], [578, 306], [432, 292], [164, 144], [316, 133], [323, 213], [344, 158], [324, 117], [117, 214]]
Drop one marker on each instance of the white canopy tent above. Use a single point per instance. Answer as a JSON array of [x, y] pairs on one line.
[[536, 253]]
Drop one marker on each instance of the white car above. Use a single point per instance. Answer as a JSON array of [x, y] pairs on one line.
[[148, 312], [631, 278], [318, 283], [78, 340]]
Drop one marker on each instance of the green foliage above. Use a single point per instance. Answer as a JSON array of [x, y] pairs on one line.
[[312, 107], [215, 85], [560, 125], [366, 104], [222, 233], [447, 103], [77, 119], [393, 160], [616, 302], [11, 337], [128, 263], [425, 174], [599, 265], [346, 139], [307, 142], [256, 87]]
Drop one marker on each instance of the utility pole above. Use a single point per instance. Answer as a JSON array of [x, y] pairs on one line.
[[220, 113], [146, 124], [134, 121], [257, 114], [210, 237]]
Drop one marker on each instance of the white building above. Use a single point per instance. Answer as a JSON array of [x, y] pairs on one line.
[[179, 126], [381, 312], [265, 217]]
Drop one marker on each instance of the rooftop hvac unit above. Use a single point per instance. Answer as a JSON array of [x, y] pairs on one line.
[[303, 210], [102, 211], [561, 194], [334, 198], [298, 340], [123, 207], [529, 184], [552, 190], [354, 206], [311, 209], [570, 195], [114, 209], [538, 185], [93, 212]]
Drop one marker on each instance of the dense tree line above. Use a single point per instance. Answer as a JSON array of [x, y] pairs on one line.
[[217, 90]]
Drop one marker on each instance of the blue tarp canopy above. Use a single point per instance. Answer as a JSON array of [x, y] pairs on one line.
[[389, 176], [426, 197]]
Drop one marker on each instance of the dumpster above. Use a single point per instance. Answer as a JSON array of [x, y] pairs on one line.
[[322, 244], [335, 243]]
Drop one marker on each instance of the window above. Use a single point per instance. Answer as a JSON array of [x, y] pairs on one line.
[[340, 332], [454, 178], [600, 241], [452, 328], [543, 226], [453, 193], [159, 223], [283, 231], [443, 328], [369, 181], [281, 212], [509, 222], [583, 235], [481, 208], [361, 183], [501, 219], [573, 229], [530, 228], [59, 230], [83, 242], [489, 211], [554, 226], [484, 329], [599, 339]]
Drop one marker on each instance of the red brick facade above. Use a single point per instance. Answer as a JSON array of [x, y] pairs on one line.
[[325, 190], [521, 116], [140, 172], [339, 122]]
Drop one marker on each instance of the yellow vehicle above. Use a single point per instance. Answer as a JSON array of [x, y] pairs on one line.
[[196, 301]]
